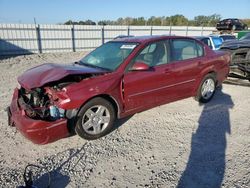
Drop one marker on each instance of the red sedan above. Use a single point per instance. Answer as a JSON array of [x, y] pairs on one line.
[[118, 79]]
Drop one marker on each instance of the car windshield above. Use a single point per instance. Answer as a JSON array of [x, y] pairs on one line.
[[108, 56], [217, 42]]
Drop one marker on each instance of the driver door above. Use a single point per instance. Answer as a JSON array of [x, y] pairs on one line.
[[148, 88]]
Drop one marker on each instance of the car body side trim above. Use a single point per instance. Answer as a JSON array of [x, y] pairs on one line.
[[152, 90]]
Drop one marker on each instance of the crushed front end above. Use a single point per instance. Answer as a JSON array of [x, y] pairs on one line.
[[44, 108], [240, 66], [35, 115]]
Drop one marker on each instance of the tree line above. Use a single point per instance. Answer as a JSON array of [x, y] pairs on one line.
[[175, 20]]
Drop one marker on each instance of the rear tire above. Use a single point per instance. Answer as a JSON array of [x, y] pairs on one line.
[[206, 89], [95, 119]]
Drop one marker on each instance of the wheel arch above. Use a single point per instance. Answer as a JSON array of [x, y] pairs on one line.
[[214, 73], [211, 74], [72, 114], [200, 78], [112, 100], [107, 97]]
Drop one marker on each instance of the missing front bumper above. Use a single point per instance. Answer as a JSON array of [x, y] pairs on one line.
[[38, 131]]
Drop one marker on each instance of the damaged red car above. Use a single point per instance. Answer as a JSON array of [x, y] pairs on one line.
[[120, 78]]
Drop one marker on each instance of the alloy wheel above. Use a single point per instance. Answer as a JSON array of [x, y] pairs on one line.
[[208, 88], [96, 119]]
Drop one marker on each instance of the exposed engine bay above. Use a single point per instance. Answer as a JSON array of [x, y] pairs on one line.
[[39, 103]]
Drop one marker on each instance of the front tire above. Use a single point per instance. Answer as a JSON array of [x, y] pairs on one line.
[[207, 89], [95, 119]]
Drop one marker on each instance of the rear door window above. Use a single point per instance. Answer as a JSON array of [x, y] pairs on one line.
[[182, 49]]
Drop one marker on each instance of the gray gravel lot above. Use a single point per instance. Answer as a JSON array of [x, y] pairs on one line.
[[181, 144]]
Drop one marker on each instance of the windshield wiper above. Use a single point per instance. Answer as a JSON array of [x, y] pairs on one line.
[[89, 65]]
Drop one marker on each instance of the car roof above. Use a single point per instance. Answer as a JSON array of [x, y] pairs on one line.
[[149, 38], [203, 37], [230, 19], [221, 35], [200, 37]]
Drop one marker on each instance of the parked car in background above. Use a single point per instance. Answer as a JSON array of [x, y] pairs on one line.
[[241, 34], [213, 42], [227, 37], [231, 24], [243, 42], [118, 79], [240, 54], [245, 37]]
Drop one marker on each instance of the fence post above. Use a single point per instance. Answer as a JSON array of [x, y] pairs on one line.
[[73, 38], [151, 30], [187, 31], [128, 31], [202, 31], [102, 34], [38, 38], [170, 30]]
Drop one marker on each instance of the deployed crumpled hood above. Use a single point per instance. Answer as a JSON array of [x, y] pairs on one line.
[[47, 73]]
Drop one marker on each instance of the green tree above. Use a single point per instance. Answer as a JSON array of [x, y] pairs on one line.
[[81, 23], [138, 21], [69, 22], [213, 19], [179, 20], [207, 20], [120, 21], [175, 20], [246, 21], [87, 22], [154, 20], [90, 22]]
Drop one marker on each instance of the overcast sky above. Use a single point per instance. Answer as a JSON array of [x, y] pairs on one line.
[[59, 11]]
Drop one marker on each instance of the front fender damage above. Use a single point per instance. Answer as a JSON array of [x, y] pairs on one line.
[[49, 101]]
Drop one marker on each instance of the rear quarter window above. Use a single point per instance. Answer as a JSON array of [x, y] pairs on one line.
[[200, 49]]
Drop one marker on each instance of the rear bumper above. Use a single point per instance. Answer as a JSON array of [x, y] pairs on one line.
[[38, 131]]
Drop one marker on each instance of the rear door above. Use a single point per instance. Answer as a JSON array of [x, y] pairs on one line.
[[188, 59]]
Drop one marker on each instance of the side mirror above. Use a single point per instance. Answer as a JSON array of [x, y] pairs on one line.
[[139, 66]]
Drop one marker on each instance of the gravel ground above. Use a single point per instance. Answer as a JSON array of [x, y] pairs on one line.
[[182, 144]]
